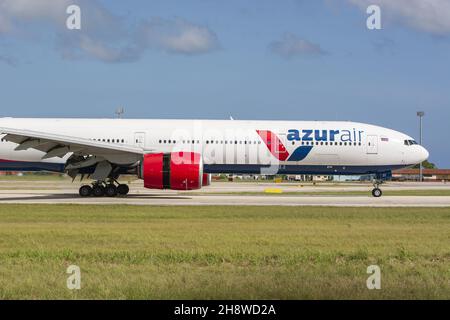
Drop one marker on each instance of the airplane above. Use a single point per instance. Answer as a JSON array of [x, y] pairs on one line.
[[183, 154]]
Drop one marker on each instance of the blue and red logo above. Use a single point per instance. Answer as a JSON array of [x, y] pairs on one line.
[[279, 151]]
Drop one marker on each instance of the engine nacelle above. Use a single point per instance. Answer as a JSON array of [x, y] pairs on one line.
[[176, 170], [206, 181]]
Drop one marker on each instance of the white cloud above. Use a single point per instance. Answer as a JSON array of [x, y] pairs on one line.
[[103, 35], [81, 47], [432, 16], [292, 46], [29, 10], [177, 36]]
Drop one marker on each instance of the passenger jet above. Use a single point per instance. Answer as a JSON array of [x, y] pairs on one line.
[[182, 154]]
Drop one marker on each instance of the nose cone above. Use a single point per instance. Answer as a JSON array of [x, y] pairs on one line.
[[416, 154], [423, 154]]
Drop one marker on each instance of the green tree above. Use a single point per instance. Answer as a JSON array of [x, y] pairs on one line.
[[427, 165]]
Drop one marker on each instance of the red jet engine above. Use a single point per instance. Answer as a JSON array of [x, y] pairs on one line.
[[176, 170]]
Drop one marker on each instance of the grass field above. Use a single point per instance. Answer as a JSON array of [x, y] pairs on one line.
[[138, 252]]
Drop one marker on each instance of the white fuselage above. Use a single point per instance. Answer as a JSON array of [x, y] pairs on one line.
[[232, 146]]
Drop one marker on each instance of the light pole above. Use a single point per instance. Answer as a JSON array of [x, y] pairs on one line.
[[420, 114], [119, 112]]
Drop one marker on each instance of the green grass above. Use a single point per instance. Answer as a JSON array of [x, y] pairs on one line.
[[417, 192], [140, 252]]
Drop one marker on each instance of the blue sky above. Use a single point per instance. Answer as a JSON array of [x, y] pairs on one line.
[[289, 60]]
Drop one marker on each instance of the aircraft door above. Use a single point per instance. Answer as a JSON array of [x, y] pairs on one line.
[[372, 144], [139, 139]]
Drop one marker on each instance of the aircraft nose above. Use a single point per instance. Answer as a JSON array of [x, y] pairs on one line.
[[417, 154], [424, 154]]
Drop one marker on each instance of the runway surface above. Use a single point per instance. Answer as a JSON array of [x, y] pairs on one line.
[[49, 192], [161, 199]]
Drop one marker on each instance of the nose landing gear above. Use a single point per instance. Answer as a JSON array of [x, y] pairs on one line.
[[376, 192], [380, 178], [104, 188]]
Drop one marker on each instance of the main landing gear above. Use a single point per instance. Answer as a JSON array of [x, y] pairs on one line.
[[110, 188]]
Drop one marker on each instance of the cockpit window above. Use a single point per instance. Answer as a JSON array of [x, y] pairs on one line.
[[410, 142]]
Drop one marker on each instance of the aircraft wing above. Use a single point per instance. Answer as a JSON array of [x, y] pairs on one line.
[[55, 145]]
